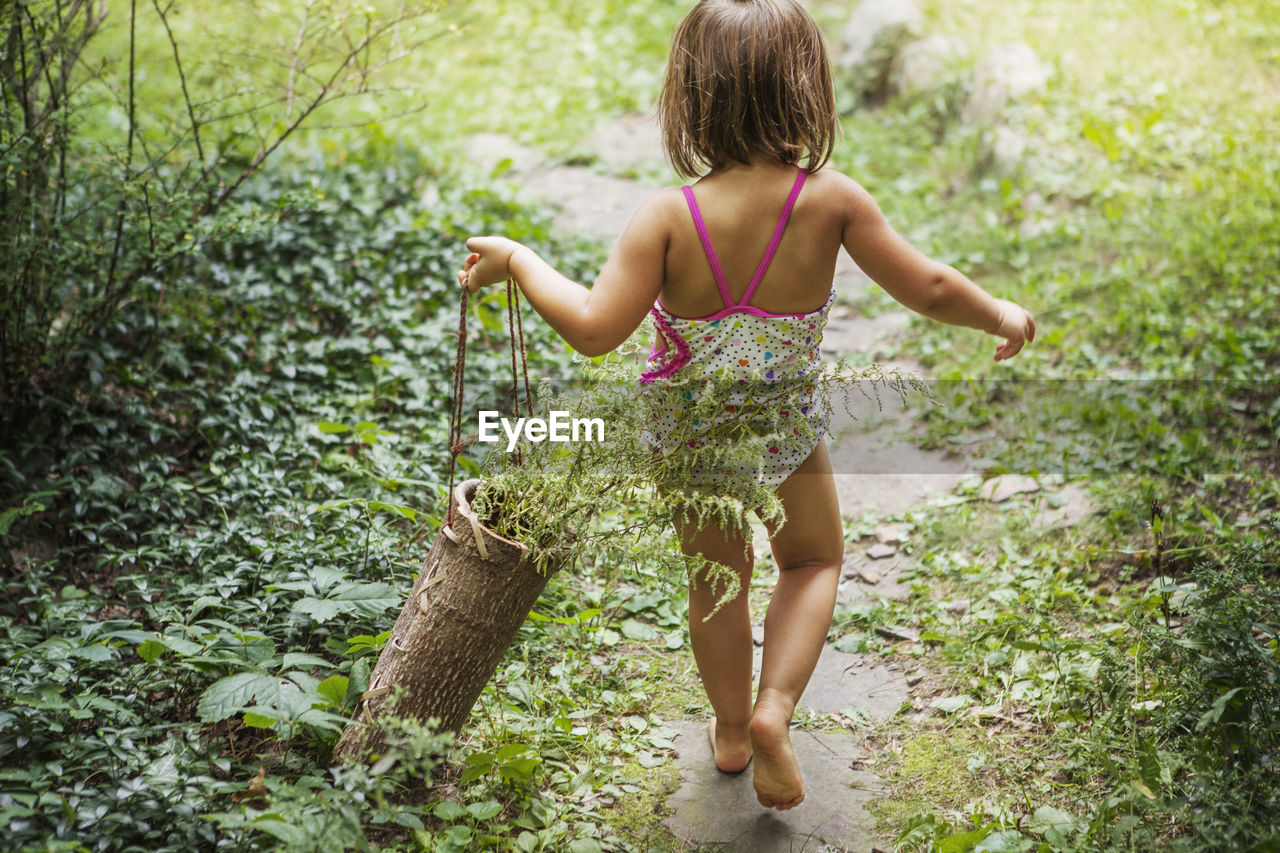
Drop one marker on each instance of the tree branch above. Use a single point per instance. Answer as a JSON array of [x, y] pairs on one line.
[[182, 77], [128, 164]]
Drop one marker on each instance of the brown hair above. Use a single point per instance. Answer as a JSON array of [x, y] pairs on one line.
[[747, 78]]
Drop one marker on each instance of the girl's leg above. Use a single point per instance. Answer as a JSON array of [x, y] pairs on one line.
[[722, 644], [809, 550]]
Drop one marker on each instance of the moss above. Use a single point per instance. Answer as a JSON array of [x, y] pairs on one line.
[[638, 817], [932, 774]]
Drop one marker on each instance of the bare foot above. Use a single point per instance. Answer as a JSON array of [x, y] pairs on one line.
[[730, 747], [777, 775]]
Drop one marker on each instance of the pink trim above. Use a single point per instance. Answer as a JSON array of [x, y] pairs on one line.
[[777, 238], [674, 362], [714, 260], [747, 309], [707, 248]]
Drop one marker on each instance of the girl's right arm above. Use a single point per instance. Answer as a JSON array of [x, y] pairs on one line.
[[922, 284], [593, 321]]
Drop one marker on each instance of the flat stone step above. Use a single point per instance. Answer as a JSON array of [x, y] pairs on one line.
[[844, 683], [711, 807]]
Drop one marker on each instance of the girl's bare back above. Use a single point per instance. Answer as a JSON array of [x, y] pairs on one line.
[[740, 206]]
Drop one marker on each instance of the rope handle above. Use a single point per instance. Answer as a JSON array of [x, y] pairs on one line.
[[519, 371]]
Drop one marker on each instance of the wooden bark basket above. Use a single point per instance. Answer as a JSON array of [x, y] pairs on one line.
[[473, 593]]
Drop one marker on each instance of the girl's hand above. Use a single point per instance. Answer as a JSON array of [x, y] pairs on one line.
[[1016, 326], [488, 263]]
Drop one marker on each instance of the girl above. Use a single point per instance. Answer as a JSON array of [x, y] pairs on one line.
[[747, 107]]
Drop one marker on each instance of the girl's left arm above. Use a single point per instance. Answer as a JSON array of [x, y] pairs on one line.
[[593, 321]]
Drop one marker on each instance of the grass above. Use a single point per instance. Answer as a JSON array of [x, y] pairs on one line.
[[544, 72]]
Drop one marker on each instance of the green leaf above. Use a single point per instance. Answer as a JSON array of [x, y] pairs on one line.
[[294, 659], [471, 774], [1149, 766], [458, 834], [508, 752], [331, 428], [334, 688], [851, 644], [255, 720], [151, 650], [205, 601], [519, 770], [634, 629], [360, 671], [1215, 712], [1211, 516], [395, 509], [366, 599], [449, 811], [962, 842], [648, 760], [1048, 818], [1005, 841], [485, 810], [275, 826], [228, 695], [523, 693], [97, 652], [950, 704], [584, 845], [8, 517], [319, 609]]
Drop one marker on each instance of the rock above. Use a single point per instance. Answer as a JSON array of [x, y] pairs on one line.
[[856, 593], [1000, 489], [879, 551], [757, 635], [866, 576], [875, 33], [488, 150], [1067, 507], [631, 142], [1004, 149], [842, 681], [597, 206], [890, 534], [1008, 72], [863, 334], [893, 633], [926, 64]]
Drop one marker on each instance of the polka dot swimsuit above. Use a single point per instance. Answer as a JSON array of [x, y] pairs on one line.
[[746, 346]]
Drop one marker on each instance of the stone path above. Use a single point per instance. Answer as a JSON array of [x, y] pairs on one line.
[[879, 471]]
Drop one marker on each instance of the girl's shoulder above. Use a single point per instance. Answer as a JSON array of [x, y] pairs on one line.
[[840, 195], [829, 184], [662, 206], [657, 215]]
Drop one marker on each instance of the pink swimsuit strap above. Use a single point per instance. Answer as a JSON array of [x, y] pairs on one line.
[[714, 260]]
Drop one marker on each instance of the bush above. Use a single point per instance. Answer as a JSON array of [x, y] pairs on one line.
[[236, 497]]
